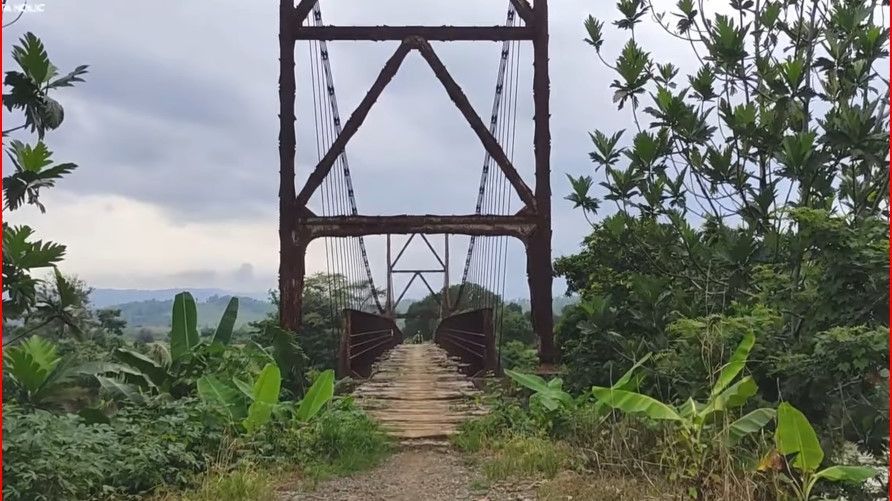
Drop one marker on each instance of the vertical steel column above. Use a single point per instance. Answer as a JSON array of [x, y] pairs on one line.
[[389, 308], [539, 270], [291, 258], [445, 306]]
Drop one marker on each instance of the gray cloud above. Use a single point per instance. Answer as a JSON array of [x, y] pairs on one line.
[[180, 111]]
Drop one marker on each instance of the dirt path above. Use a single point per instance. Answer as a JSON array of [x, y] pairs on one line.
[[416, 474], [419, 396]]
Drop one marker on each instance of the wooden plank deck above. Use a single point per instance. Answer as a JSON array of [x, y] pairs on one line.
[[417, 394]]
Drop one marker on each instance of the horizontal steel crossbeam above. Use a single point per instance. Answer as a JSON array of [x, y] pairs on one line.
[[433, 33], [518, 226]]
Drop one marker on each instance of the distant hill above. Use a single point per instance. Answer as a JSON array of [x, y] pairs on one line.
[[154, 314], [103, 298]]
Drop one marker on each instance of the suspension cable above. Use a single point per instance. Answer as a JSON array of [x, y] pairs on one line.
[[336, 119], [484, 175]]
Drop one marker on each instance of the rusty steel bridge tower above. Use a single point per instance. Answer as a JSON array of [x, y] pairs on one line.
[[298, 225]]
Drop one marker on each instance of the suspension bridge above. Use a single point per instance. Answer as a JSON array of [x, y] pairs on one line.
[[417, 391]]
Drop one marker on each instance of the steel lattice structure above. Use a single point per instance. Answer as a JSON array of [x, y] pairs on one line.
[[298, 225]]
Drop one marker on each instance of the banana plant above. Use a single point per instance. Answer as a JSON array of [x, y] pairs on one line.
[[692, 418], [796, 438], [629, 381], [319, 394], [549, 395], [253, 405], [250, 404], [155, 375]]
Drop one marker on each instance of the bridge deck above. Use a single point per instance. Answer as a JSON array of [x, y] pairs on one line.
[[417, 393]]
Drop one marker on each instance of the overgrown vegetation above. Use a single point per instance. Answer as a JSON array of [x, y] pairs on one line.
[[730, 341], [89, 414], [747, 208]]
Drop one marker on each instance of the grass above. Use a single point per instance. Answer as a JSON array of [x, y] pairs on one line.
[[527, 457], [602, 486], [246, 484]]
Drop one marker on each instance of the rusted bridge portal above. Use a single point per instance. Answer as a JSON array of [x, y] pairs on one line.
[[465, 335]]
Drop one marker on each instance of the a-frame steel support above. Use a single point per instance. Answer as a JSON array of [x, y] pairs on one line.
[[532, 224]]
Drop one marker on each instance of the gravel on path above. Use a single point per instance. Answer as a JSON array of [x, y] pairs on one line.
[[416, 474]]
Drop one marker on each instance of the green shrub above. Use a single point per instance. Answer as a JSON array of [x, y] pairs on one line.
[[344, 440], [340, 439], [60, 457], [504, 420], [50, 457], [519, 356]]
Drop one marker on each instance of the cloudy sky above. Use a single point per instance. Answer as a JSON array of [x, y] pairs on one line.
[[175, 132]]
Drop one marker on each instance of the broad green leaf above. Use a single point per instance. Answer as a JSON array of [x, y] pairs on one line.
[[266, 396], [847, 473], [689, 409], [216, 392], [628, 382], [31, 362], [546, 401], [318, 395], [635, 403], [184, 329], [224, 329], [32, 58], [623, 382], [734, 396], [795, 435], [19, 252], [69, 79], [530, 381], [151, 370], [245, 387], [121, 391], [735, 364], [555, 383], [750, 423]]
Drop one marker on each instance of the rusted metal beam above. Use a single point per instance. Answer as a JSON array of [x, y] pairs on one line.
[[303, 10], [405, 290], [352, 125], [475, 224], [524, 10], [402, 250], [489, 142], [439, 33], [445, 307], [539, 267], [433, 251], [473, 334], [389, 300], [365, 337], [290, 273], [429, 288]]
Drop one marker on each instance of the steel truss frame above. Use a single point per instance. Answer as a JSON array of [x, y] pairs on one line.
[[298, 226]]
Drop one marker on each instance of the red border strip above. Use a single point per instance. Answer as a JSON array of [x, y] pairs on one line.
[[889, 478], [1, 276], [1, 255]]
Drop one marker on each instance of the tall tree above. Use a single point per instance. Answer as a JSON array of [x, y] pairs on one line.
[[28, 90]]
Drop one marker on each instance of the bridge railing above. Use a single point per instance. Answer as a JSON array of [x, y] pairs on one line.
[[470, 337], [366, 337]]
